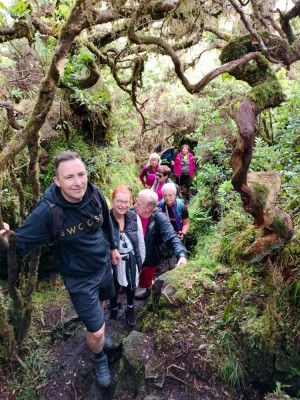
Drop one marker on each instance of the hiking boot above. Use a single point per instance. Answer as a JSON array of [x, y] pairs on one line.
[[108, 343], [103, 376], [114, 314], [143, 294], [130, 316]]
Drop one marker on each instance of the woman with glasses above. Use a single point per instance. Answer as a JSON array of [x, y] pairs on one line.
[[162, 177], [128, 233], [176, 211]]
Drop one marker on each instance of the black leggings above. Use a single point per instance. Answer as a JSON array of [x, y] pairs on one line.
[[184, 180], [129, 293]]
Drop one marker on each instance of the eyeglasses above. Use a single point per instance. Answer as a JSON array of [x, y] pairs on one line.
[[123, 240], [122, 202], [159, 175], [168, 195]]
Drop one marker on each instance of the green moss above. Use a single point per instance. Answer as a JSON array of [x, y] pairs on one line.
[[261, 193], [181, 295], [262, 331], [278, 225], [266, 91], [50, 293], [168, 314], [7, 339], [236, 48], [239, 46], [232, 245], [164, 326], [148, 320], [120, 169], [267, 94]]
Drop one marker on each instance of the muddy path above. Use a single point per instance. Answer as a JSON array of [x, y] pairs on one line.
[[72, 376]]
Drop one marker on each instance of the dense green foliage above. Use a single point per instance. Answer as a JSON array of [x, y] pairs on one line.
[[251, 317], [248, 302], [257, 326], [251, 310]]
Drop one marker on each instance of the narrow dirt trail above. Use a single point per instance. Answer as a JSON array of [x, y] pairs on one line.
[[72, 376]]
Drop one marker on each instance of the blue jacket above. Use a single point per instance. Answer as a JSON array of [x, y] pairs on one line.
[[160, 230], [86, 237], [168, 155]]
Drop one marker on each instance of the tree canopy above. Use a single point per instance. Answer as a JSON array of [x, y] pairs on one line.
[[63, 46]]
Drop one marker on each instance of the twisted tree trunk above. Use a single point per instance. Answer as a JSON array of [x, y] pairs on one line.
[[277, 229]]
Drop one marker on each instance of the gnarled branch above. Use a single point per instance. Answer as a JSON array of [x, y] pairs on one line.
[[285, 19], [20, 29], [80, 18], [10, 115]]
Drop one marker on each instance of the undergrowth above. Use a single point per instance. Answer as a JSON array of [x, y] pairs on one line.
[[250, 310], [31, 366]]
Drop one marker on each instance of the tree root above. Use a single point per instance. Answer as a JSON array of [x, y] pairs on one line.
[[171, 375]]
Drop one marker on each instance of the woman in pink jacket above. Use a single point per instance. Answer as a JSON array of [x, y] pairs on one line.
[[184, 169], [148, 173]]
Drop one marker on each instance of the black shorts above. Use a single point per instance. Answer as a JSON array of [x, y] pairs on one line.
[[85, 293], [184, 180]]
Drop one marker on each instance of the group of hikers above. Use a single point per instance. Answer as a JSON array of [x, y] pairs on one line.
[[99, 250], [160, 166]]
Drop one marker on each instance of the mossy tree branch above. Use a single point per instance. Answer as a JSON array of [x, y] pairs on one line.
[[19, 188], [265, 92], [247, 24], [79, 16], [285, 19], [20, 29], [7, 336], [10, 114]]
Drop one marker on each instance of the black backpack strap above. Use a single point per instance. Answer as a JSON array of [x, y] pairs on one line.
[[57, 221]]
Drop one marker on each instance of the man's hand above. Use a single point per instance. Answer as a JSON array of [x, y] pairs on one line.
[[4, 236], [115, 257], [180, 235], [181, 261]]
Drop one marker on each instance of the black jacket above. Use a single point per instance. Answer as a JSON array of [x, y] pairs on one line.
[[160, 230]]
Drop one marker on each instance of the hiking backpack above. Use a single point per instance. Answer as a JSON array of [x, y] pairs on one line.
[[179, 203], [164, 250]]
